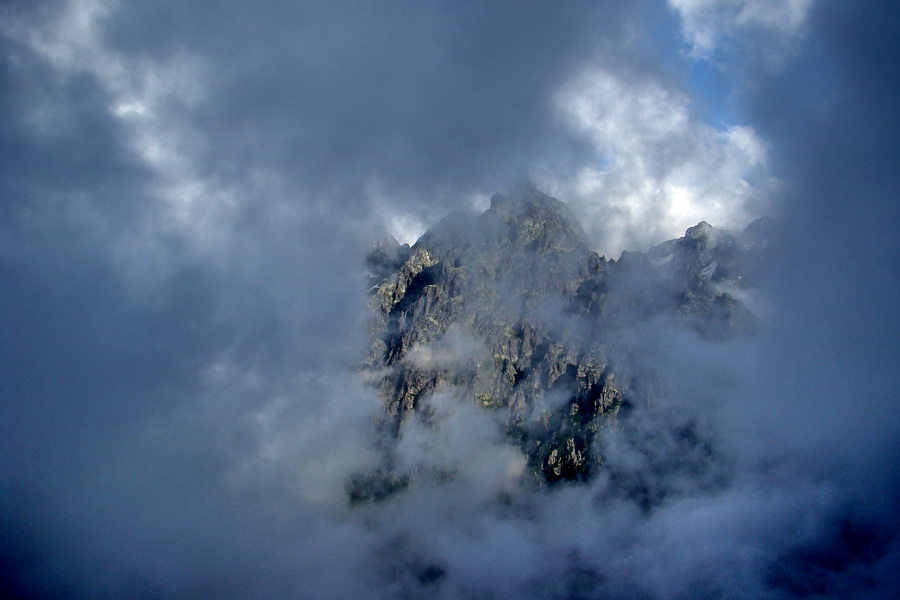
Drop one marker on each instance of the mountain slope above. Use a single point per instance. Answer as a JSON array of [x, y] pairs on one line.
[[512, 311]]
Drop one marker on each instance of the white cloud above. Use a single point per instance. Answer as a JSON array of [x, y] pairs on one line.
[[464, 442], [659, 170], [707, 23], [142, 94]]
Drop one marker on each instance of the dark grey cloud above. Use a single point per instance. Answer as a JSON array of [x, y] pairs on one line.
[[179, 321], [422, 95], [836, 139], [824, 388]]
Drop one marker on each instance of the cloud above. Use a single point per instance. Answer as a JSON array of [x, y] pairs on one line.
[[708, 25], [186, 198], [661, 169], [412, 96]]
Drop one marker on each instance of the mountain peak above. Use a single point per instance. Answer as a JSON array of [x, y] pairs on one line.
[[511, 311], [533, 217], [522, 197]]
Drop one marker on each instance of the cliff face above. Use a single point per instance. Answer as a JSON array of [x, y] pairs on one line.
[[512, 311]]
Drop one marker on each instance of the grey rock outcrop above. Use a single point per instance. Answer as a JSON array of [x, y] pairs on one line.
[[511, 310]]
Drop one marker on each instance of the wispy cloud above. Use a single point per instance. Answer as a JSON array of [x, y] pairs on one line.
[[709, 26]]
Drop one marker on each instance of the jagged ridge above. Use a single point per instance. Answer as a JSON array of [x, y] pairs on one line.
[[511, 310]]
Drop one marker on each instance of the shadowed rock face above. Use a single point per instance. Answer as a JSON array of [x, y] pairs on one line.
[[512, 311]]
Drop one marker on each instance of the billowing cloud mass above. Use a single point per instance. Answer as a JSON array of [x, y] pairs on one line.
[[187, 194], [661, 169]]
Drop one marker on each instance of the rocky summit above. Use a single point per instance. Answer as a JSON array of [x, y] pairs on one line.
[[511, 310]]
